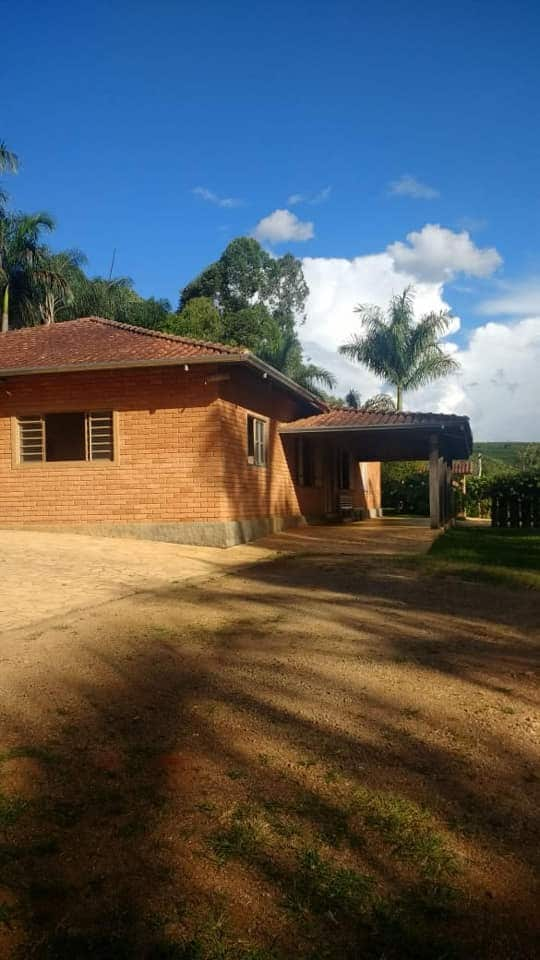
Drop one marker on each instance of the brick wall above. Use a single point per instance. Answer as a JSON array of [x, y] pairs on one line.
[[181, 451]]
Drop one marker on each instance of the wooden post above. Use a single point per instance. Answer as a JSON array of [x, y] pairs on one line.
[[450, 512], [434, 483]]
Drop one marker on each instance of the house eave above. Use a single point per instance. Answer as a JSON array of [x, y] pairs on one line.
[[246, 359], [457, 433]]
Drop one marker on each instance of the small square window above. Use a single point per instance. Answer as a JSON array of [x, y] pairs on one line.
[[256, 441], [64, 437]]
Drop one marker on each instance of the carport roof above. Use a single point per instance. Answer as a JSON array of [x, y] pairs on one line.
[[399, 435]]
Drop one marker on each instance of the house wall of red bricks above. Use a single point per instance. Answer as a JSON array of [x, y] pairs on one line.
[[181, 450], [168, 464]]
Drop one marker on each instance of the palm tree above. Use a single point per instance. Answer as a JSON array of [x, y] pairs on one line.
[[287, 357], [26, 267], [397, 348], [57, 284], [9, 161]]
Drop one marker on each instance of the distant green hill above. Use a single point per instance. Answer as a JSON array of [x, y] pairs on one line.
[[496, 456]]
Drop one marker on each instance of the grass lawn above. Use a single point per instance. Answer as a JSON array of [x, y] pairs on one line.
[[511, 557]]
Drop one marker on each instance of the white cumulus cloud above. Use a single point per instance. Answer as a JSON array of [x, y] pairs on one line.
[[408, 186], [282, 226], [338, 285], [437, 254], [514, 300], [211, 197], [497, 385]]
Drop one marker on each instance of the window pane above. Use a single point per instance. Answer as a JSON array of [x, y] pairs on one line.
[[65, 436]]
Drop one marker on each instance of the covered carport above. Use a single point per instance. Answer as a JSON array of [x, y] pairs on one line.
[[435, 437]]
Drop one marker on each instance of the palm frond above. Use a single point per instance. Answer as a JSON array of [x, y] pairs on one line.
[[9, 161], [432, 366], [399, 349]]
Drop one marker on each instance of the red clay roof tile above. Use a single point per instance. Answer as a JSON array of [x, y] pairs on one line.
[[94, 340], [356, 418]]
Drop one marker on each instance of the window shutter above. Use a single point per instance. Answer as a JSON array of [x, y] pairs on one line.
[[31, 439], [260, 457], [100, 436]]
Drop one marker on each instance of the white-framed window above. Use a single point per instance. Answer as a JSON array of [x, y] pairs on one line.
[[63, 437], [256, 441]]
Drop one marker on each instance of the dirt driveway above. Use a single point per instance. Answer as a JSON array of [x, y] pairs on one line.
[[44, 575], [321, 754]]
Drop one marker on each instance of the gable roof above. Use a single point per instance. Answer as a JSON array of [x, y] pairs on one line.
[[94, 343]]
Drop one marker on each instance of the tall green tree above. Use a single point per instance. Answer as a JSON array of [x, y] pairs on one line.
[[26, 267], [245, 275], [199, 319], [400, 350], [114, 299], [260, 301]]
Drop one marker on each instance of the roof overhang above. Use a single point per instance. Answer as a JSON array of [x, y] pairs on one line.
[[396, 441], [245, 359]]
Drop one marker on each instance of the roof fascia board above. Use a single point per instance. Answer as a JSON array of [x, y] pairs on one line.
[[364, 427]]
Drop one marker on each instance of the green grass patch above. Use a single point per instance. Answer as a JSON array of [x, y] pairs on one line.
[[323, 887], [510, 557], [328, 879], [408, 831], [241, 838]]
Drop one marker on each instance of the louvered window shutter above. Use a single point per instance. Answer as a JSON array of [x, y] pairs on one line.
[[100, 436], [31, 439]]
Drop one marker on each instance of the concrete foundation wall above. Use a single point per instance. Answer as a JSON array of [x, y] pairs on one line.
[[225, 533]]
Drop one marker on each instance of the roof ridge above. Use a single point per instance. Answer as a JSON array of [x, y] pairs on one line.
[[133, 328], [161, 335]]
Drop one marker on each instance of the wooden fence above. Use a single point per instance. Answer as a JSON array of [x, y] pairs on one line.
[[516, 510]]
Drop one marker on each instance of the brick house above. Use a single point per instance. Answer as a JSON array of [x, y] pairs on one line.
[[123, 431]]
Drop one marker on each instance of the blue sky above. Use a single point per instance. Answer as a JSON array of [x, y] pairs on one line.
[[120, 110]]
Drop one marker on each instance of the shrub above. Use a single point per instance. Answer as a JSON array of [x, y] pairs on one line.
[[405, 487]]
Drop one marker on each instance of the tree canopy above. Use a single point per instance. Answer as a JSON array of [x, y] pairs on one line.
[[397, 348], [250, 299]]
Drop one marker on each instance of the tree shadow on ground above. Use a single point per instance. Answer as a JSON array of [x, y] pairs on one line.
[[295, 761]]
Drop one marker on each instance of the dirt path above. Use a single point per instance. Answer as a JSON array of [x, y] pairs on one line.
[[46, 575], [321, 756]]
